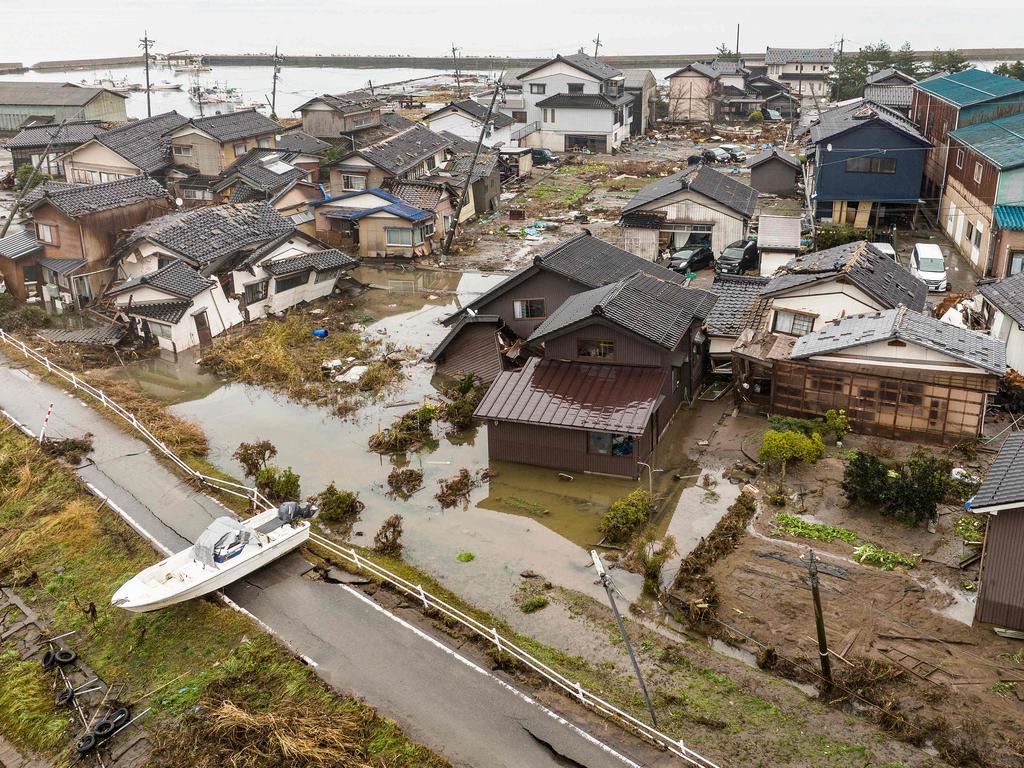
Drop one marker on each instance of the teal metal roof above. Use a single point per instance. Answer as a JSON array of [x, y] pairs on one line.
[[1010, 217], [972, 86], [1001, 141]]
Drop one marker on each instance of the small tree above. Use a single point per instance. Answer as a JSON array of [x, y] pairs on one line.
[[783, 448], [866, 480], [254, 456], [25, 172], [278, 485], [388, 540], [627, 516], [916, 491], [755, 117], [837, 422], [650, 554]]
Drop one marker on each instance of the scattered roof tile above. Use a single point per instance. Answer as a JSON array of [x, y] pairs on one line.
[[846, 117]]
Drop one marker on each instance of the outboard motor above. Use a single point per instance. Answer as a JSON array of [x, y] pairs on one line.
[[291, 511]]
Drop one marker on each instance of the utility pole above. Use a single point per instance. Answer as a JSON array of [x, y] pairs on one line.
[[370, 83], [738, 42], [597, 44], [819, 619], [144, 44], [839, 70], [273, 92], [455, 61], [606, 581], [450, 234]]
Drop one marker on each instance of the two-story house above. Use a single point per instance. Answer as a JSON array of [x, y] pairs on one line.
[[643, 86], [138, 148], [375, 223], [864, 165], [946, 102], [805, 70], [618, 361], [43, 145], [692, 91], [466, 118], [891, 88], [336, 118], [982, 207], [411, 153], [572, 103]]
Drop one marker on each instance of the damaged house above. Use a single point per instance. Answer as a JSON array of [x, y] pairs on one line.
[[30, 144], [1003, 309], [465, 119], [376, 223], [618, 361], [337, 118], [698, 205], [411, 153], [189, 275], [275, 176], [138, 148]]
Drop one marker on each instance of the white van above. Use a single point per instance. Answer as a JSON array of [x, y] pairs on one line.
[[928, 263]]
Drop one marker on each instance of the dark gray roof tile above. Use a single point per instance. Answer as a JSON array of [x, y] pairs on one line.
[[706, 181], [837, 120], [739, 306], [1007, 295], [1003, 486], [71, 134], [175, 279], [230, 126], [77, 200], [144, 143], [299, 141], [162, 311], [318, 261]]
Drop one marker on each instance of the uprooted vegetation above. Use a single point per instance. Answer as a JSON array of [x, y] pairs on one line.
[[71, 449], [456, 489], [411, 431], [284, 355], [462, 398], [404, 482]]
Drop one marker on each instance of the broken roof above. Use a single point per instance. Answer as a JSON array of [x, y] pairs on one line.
[[461, 146], [236, 125], [902, 324], [460, 165], [1000, 141], [302, 142], [175, 279], [971, 86], [704, 180], [1003, 486], [169, 312], [846, 117], [780, 233], [739, 306], [580, 61], [798, 55], [859, 262], [597, 397], [346, 103], [76, 200], [660, 311], [34, 93], [263, 169], [402, 151], [424, 195], [389, 204], [1007, 295], [318, 261], [144, 143], [776, 153], [70, 134]]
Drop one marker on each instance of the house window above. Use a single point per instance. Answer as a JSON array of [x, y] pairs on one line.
[[871, 165], [330, 275], [792, 323], [979, 171], [525, 309], [361, 121], [977, 237], [970, 231], [448, 219], [428, 229], [353, 183], [1016, 263], [431, 163], [575, 87], [47, 233], [258, 291], [239, 149], [600, 349], [182, 150], [159, 329], [283, 284], [196, 194], [609, 444], [959, 158], [538, 88], [396, 236], [264, 143], [518, 117]]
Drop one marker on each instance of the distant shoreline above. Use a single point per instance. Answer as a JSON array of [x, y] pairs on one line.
[[646, 61]]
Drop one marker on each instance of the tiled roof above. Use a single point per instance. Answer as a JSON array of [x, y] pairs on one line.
[[1001, 141], [637, 78], [890, 95], [798, 55], [592, 261], [581, 61], [778, 232], [390, 124], [1004, 483], [659, 310], [424, 195], [739, 306], [353, 101], [980, 350], [76, 200], [70, 134], [700, 67], [236, 125], [459, 166], [860, 263], [585, 101], [206, 235], [162, 311], [1007, 295], [19, 243], [775, 152], [108, 335], [175, 279], [703, 180], [265, 170], [971, 86], [389, 204], [1010, 217], [598, 397], [885, 74], [479, 111], [318, 261], [299, 141], [33, 93], [843, 118], [405, 150], [461, 146], [60, 266], [144, 143]]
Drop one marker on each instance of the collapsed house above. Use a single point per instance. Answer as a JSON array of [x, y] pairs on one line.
[[1003, 309]]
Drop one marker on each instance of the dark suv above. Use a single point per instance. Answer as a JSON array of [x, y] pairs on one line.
[[544, 156], [737, 258]]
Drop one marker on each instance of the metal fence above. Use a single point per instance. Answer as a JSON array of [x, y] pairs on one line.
[[416, 591]]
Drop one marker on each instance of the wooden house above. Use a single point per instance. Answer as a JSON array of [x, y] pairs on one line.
[[138, 148], [1003, 308], [465, 118], [891, 88], [335, 117], [18, 268], [211, 144], [44, 144], [774, 172], [375, 223], [643, 86], [411, 153]]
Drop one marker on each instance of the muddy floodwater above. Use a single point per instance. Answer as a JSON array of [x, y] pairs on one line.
[[523, 518]]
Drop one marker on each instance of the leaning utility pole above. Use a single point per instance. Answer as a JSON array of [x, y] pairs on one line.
[[455, 61], [144, 44], [597, 44], [819, 619], [273, 90], [450, 234], [606, 580], [31, 177]]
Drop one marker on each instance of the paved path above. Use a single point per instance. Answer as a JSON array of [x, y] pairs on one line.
[[437, 695]]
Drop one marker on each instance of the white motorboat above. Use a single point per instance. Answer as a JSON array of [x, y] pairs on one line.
[[225, 552]]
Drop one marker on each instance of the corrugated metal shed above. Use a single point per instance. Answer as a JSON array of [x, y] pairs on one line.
[[972, 86], [1001, 141]]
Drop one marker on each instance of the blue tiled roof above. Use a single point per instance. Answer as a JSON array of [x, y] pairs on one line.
[[1001, 141], [1010, 217], [394, 206], [972, 86]]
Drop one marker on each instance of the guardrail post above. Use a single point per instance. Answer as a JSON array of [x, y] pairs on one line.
[[497, 638], [423, 596], [74, 381], [579, 692], [355, 557]]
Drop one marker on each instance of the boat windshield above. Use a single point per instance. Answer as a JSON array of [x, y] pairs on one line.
[[224, 539]]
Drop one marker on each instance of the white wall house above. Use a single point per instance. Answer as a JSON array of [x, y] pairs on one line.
[[466, 118], [571, 103], [804, 70], [1003, 307]]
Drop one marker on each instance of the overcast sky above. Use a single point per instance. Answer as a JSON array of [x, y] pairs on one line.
[[35, 30]]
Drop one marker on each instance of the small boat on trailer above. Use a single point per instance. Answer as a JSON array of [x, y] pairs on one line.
[[225, 552]]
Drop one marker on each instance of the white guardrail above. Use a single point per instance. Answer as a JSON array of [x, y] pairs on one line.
[[429, 601]]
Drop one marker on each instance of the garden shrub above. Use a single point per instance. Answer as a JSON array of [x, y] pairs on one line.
[[792, 424], [755, 117], [627, 516], [866, 479], [837, 422], [783, 448], [910, 493]]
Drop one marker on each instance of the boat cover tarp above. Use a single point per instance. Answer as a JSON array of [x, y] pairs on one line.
[[224, 530]]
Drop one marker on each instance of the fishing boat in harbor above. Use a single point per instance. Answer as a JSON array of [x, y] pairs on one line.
[[225, 552], [165, 85]]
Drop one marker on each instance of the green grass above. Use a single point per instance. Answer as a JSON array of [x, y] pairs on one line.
[[465, 557], [27, 713], [533, 603]]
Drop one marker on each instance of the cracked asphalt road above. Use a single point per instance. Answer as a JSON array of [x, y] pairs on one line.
[[436, 694]]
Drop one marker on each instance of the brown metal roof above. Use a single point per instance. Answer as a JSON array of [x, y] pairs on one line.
[[554, 393]]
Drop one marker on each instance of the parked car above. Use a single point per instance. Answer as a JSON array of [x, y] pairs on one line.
[[715, 156], [928, 263], [543, 156], [737, 258], [888, 250], [735, 152], [690, 259]]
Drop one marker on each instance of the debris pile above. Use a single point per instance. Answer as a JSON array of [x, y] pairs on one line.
[[457, 488], [410, 432], [404, 482]]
